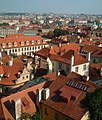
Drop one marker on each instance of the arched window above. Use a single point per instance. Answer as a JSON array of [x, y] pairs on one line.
[[38, 41], [3, 45], [27, 42], [32, 42], [22, 43], [15, 43], [9, 44]]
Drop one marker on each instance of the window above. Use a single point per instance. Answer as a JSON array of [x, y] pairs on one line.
[[9, 44], [15, 50], [76, 69], [27, 42], [38, 41], [18, 49], [46, 111], [56, 116], [15, 43], [32, 42], [22, 43], [27, 76], [3, 45], [84, 67], [38, 47]]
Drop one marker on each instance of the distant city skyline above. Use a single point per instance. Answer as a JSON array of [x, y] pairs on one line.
[[55, 6]]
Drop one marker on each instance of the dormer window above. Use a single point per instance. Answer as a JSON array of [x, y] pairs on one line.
[[27, 42], [22, 43], [32, 42], [9, 44], [38, 41], [43, 41], [15, 43], [3, 45]]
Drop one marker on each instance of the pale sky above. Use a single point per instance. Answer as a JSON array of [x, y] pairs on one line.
[[55, 6]]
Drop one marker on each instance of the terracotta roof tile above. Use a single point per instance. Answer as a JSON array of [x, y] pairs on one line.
[[20, 39], [10, 72], [62, 102], [26, 96]]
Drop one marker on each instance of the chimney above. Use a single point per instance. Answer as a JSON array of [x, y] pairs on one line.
[[39, 95], [10, 62], [72, 59], [1, 54], [19, 73], [57, 73], [59, 46], [46, 93], [89, 56], [17, 109], [80, 41]]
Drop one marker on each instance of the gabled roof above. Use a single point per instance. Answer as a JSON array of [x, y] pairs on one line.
[[66, 58], [43, 52], [21, 39], [61, 100], [28, 95], [98, 53], [89, 48], [55, 50], [10, 74]]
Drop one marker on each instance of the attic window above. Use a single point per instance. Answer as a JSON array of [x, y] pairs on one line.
[[22, 43], [9, 44], [32, 42], [15, 43], [3, 45], [38, 41], [27, 42], [43, 41]]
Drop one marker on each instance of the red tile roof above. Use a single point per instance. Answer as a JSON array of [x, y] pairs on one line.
[[56, 50], [20, 39], [62, 102], [27, 96], [1, 70], [87, 42], [98, 53], [10, 72], [78, 59], [89, 48]]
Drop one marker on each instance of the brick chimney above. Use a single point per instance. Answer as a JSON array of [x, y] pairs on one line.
[[17, 107]]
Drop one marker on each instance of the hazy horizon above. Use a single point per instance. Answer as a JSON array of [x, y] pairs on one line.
[[54, 6]]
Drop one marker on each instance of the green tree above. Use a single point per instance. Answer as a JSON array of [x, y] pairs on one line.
[[58, 32], [36, 116], [93, 102], [50, 34]]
